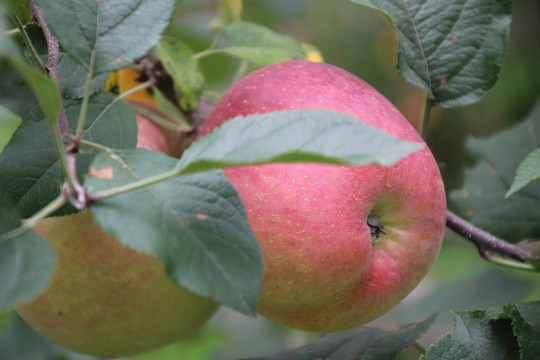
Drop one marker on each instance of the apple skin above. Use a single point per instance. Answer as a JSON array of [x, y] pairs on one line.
[[105, 299], [324, 271]]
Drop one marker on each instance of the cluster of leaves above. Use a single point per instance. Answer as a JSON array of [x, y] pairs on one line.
[[451, 50]]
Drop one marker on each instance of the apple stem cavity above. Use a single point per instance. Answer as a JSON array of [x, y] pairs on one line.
[[375, 227]]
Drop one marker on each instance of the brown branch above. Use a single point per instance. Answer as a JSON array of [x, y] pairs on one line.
[[484, 240]]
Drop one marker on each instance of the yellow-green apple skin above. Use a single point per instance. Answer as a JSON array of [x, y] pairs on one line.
[[105, 299], [325, 268]]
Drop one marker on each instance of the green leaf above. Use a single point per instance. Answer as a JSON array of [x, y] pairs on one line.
[[526, 325], [21, 342], [476, 337], [452, 49], [8, 124], [295, 136], [528, 171], [482, 199], [20, 98], [180, 63], [196, 225], [26, 261], [72, 76], [360, 343], [257, 44], [113, 32], [43, 86], [31, 174]]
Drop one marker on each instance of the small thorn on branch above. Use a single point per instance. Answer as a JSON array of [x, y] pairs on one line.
[[484, 240]]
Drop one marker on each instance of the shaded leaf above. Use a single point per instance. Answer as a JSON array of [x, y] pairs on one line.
[[452, 49], [20, 98], [114, 33], [21, 342], [528, 171], [72, 77], [482, 199], [295, 136], [257, 44], [26, 261], [196, 225], [180, 63], [476, 337], [526, 325], [361, 343], [31, 174]]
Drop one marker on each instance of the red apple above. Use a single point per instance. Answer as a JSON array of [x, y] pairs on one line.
[[341, 244], [105, 299]]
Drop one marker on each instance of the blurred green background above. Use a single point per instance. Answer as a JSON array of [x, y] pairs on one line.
[[361, 41]]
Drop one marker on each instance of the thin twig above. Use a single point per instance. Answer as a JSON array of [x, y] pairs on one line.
[[484, 240], [53, 58]]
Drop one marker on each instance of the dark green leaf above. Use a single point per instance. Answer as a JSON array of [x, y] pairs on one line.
[[19, 99], [257, 44], [528, 171], [114, 33], [195, 224], [31, 174], [43, 86], [295, 136], [452, 49], [21, 342], [26, 261], [72, 76], [482, 199], [476, 337], [526, 324], [180, 63], [361, 343]]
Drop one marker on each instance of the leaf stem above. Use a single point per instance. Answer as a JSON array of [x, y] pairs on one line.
[[425, 118], [86, 98], [41, 214], [486, 241], [100, 195], [30, 46]]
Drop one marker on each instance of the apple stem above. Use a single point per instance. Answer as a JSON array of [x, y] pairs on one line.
[[485, 241]]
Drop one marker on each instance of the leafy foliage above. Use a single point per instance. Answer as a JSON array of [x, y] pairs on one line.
[[180, 63], [107, 35], [361, 343], [256, 44], [26, 261], [453, 50], [196, 225], [295, 136], [30, 154], [476, 336], [482, 201]]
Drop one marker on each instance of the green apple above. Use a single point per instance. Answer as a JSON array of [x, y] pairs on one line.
[[105, 299], [341, 244]]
